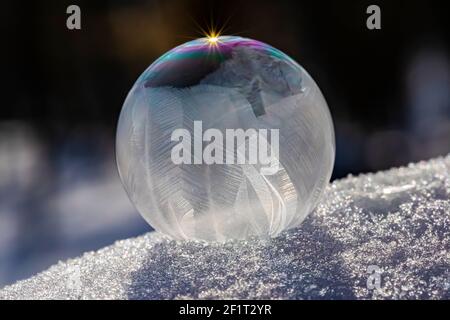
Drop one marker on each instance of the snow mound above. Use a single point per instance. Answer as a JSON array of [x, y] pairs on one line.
[[376, 236]]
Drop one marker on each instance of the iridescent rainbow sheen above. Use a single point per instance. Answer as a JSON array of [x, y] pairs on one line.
[[198, 57]]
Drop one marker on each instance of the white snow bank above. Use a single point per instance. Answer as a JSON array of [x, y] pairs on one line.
[[383, 235]]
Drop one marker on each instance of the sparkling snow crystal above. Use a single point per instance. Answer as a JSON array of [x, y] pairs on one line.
[[382, 236]]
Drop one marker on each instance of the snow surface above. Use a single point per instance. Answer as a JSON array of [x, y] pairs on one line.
[[376, 236]]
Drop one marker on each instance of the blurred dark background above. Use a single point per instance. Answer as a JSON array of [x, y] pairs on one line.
[[62, 91]]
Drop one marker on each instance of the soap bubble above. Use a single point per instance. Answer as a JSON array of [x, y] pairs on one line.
[[224, 140]]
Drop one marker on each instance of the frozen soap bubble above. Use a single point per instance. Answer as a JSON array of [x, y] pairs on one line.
[[224, 139]]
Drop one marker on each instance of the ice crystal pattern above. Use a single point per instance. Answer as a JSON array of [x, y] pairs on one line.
[[235, 83]]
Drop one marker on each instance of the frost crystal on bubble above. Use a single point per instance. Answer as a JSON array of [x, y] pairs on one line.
[[377, 236], [236, 84]]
